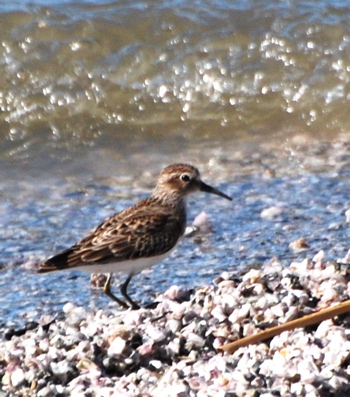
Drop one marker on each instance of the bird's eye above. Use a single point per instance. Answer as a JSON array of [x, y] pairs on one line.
[[185, 177]]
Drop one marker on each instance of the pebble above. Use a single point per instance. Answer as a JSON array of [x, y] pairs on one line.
[[271, 212], [17, 377], [347, 216], [116, 348], [171, 350], [299, 245]]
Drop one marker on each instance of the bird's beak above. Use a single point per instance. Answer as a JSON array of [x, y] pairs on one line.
[[208, 189]]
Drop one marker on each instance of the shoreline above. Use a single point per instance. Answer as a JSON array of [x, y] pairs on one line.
[[172, 350]]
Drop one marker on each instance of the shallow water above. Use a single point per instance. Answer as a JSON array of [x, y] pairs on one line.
[[49, 216], [84, 73], [96, 97]]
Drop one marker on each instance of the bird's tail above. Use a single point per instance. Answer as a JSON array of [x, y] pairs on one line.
[[56, 263]]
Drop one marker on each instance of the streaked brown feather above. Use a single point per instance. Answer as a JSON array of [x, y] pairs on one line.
[[149, 228], [144, 230]]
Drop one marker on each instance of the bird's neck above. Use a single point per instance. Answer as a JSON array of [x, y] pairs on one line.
[[174, 204], [169, 199]]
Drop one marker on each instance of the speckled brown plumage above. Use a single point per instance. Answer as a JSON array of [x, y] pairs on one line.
[[139, 236]]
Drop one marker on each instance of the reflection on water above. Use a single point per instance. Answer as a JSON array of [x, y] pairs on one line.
[[72, 74]]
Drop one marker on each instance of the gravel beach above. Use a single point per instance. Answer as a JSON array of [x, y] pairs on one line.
[[171, 350]]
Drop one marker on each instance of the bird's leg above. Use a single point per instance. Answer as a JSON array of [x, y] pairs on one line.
[[123, 290], [108, 292]]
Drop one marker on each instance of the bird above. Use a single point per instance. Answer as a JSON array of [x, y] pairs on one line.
[[138, 237]]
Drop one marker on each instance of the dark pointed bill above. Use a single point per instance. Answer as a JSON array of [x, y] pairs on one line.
[[208, 189]]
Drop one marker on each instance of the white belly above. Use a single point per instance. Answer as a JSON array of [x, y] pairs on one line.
[[129, 266]]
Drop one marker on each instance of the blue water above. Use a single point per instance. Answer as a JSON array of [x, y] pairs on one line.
[[97, 97]]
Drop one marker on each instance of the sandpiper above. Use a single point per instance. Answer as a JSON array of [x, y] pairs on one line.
[[137, 237]]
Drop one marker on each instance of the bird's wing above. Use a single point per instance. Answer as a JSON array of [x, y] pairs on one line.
[[133, 236]]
